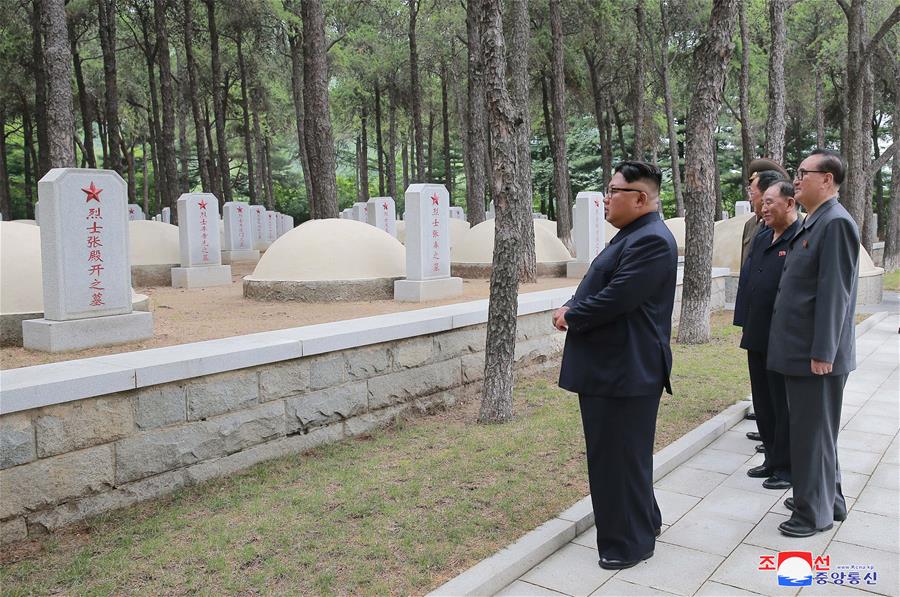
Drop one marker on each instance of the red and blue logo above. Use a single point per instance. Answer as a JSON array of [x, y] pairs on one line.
[[795, 568]]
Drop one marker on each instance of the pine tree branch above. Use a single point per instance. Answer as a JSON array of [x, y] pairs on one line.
[[883, 159]]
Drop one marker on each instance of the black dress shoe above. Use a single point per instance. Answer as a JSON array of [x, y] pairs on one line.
[[774, 482], [750, 416], [793, 528], [754, 435], [608, 564], [760, 472], [838, 516], [761, 449]]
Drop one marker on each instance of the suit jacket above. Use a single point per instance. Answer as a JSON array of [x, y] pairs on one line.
[[758, 284], [620, 318], [752, 227], [814, 313]]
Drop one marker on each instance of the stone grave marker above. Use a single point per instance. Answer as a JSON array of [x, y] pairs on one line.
[[198, 236], [427, 246], [135, 212], [238, 240], [347, 213], [538, 216], [166, 215], [258, 223], [86, 271], [742, 207], [383, 214], [489, 214], [271, 225], [361, 212], [457, 212], [590, 232]]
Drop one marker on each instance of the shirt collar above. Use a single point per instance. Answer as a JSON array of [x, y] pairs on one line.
[[640, 222], [811, 219], [787, 235]]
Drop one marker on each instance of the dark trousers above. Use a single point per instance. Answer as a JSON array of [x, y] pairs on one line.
[[619, 435], [815, 415], [772, 419]]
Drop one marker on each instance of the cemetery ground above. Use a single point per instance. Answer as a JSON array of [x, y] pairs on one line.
[[892, 280], [399, 511], [181, 315]]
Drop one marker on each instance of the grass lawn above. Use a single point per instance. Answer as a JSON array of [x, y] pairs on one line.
[[398, 512], [892, 280]]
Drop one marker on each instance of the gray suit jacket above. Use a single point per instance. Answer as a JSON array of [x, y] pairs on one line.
[[814, 313]]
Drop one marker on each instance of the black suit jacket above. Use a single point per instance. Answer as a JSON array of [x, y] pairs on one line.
[[758, 284], [620, 319], [814, 313]]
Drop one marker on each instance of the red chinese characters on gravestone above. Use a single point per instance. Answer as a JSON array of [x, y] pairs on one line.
[[94, 229], [204, 231], [435, 234], [384, 221], [240, 216], [596, 219]]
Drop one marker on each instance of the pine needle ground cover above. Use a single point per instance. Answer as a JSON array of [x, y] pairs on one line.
[[396, 512]]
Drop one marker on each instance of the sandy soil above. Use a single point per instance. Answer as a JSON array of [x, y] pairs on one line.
[[181, 316]]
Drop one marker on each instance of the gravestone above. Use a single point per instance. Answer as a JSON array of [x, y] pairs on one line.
[[238, 240], [538, 216], [361, 212], [86, 272], [741, 208], [166, 215], [288, 223], [280, 224], [427, 246], [271, 225], [198, 236], [725, 215], [37, 211], [489, 214], [135, 212], [383, 214], [347, 214], [458, 213], [258, 223], [590, 232]]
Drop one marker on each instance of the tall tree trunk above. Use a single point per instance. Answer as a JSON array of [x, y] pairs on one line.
[[504, 119], [101, 130], [245, 111], [744, 100], [132, 181], [879, 179], [429, 161], [619, 127], [193, 93], [445, 121], [184, 179], [107, 29], [267, 177], [29, 160], [84, 104], [379, 145], [597, 93], [40, 89], [670, 115], [319, 140], [260, 187], [154, 159], [558, 103], [159, 171], [404, 157], [606, 151], [711, 59], [166, 149], [867, 230], [218, 92], [820, 108], [775, 124], [5, 207], [640, 19], [476, 144], [364, 152], [215, 179], [391, 173], [58, 59], [892, 225], [521, 138], [296, 45], [146, 177], [416, 90]]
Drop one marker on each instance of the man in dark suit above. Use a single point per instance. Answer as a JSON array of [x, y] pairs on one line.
[[763, 173], [753, 311], [617, 358], [812, 341]]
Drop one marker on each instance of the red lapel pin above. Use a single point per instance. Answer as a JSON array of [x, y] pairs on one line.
[[805, 244]]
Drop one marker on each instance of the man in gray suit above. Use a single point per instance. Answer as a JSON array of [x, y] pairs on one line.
[[812, 341]]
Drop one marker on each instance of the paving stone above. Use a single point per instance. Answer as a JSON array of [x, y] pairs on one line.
[[887, 409], [715, 589], [740, 480], [218, 394], [691, 481], [617, 587], [556, 571], [886, 425], [740, 569], [870, 530], [885, 563], [892, 455], [733, 441], [832, 590], [719, 461], [674, 569], [852, 483], [16, 440], [673, 505], [857, 461], [159, 406], [854, 399], [766, 535], [737, 504], [879, 500], [863, 441], [887, 476], [707, 532], [74, 425], [524, 589]]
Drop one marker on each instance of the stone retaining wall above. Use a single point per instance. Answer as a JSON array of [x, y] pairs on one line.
[[66, 462]]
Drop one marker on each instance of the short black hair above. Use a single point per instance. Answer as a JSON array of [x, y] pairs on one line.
[[784, 188], [633, 170], [831, 162], [767, 178]]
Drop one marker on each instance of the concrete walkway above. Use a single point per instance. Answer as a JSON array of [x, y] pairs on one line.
[[719, 522]]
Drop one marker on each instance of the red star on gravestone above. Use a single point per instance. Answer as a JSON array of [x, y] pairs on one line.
[[240, 209], [597, 202], [385, 205], [435, 199], [93, 193], [202, 204]]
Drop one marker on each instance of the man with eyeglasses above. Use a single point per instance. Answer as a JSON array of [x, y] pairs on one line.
[[812, 341], [763, 174], [617, 359]]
